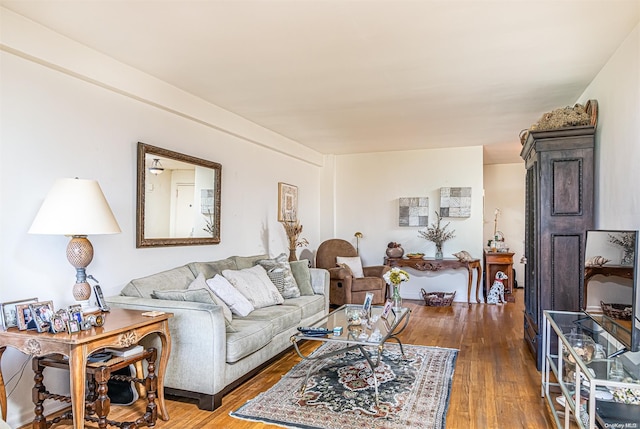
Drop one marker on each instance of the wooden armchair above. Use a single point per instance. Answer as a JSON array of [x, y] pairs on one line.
[[344, 287]]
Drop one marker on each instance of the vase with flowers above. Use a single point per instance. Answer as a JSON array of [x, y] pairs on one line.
[[293, 229], [394, 277], [437, 234]]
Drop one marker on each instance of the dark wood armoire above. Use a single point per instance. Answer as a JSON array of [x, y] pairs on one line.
[[559, 211]]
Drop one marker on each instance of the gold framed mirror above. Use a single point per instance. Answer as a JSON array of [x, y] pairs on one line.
[[178, 199]]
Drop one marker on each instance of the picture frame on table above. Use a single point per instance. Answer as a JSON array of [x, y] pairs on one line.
[[42, 314], [73, 326], [366, 306], [386, 310], [25, 318], [287, 202], [9, 315]]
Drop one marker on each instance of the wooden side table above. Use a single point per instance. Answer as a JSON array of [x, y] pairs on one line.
[[499, 261], [122, 328], [435, 265]]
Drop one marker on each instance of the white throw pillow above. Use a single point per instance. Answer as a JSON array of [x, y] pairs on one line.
[[237, 303], [354, 263], [255, 285], [201, 283]]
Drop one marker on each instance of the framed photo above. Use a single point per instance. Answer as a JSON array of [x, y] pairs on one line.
[[9, 317], [287, 202], [58, 324], [387, 309], [25, 318], [73, 326], [42, 314], [366, 306]]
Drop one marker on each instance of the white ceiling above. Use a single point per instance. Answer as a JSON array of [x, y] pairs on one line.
[[345, 76]]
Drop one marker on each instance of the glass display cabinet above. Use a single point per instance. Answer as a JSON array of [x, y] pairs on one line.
[[588, 379]]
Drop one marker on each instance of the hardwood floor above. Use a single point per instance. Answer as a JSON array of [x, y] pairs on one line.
[[495, 385]]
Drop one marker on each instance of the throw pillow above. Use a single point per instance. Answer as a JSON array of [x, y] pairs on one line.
[[302, 274], [281, 264], [238, 304], [354, 263], [198, 295], [201, 283], [255, 285], [463, 256]]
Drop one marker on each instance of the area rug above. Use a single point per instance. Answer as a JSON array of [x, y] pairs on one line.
[[413, 391]]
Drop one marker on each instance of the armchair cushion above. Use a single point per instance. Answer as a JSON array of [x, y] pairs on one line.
[[353, 262]]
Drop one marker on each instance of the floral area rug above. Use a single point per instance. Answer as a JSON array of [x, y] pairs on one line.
[[413, 391]]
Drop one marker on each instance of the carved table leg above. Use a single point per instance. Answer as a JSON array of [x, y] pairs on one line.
[[3, 391], [151, 385], [102, 403], [39, 421]]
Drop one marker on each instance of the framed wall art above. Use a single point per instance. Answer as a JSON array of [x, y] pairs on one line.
[[9, 313], [287, 202], [455, 202], [413, 211]]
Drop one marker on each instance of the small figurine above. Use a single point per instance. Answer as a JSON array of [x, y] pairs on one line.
[[496, 293]]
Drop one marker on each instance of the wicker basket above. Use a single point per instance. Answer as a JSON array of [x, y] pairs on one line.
[[617, 311], [437, 299]]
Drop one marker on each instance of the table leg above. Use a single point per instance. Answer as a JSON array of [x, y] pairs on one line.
[[77, 379], [3, 391], [478, 282], [469, 283], [165, 339]]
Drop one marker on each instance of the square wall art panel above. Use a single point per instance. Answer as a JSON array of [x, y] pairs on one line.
[[455, 202], [413, 211]]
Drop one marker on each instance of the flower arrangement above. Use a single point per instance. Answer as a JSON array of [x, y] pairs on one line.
[[437, 234], [395, 276]]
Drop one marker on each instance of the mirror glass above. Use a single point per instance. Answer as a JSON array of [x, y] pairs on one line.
[[178, 199], [610, 283]]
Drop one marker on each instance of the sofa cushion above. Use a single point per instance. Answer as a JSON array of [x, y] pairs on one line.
[[174, 279], [309, 305], [281, 317], [302, 274], [243, 262], [237, 302], [279, 267], [249, 336], [354, 263], [201, 283], [210, 269], [255, 285]]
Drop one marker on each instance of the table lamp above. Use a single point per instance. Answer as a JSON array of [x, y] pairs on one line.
[[76, 208]]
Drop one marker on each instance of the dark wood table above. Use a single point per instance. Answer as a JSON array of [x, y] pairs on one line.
[[435, 265], [122, 328], [499, 261]]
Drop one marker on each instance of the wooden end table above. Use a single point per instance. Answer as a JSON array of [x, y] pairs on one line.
[[122, 328]]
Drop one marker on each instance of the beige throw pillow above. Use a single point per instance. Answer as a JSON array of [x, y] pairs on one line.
[[354, 263], [201, 283], [255, 285], [238, 304]]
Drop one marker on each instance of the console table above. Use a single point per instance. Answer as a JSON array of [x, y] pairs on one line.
[[435, 265], [122, 328]]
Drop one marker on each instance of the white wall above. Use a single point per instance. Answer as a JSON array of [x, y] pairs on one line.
[[56, 123], [366, 199], [504, 186], [617, 89]]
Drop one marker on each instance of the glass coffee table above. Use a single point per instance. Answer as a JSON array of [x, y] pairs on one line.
[[368, 335]]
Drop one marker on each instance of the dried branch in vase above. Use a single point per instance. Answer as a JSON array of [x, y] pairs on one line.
[[293, 229]]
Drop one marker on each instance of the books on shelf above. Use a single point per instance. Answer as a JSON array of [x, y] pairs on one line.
[[126, 351]]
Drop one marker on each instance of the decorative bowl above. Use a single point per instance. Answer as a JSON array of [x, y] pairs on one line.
[[415, 255]]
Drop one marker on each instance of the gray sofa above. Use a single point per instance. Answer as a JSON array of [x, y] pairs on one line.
[[208, 357]]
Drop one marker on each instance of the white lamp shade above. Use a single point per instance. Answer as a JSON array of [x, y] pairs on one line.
[[75, 207]]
